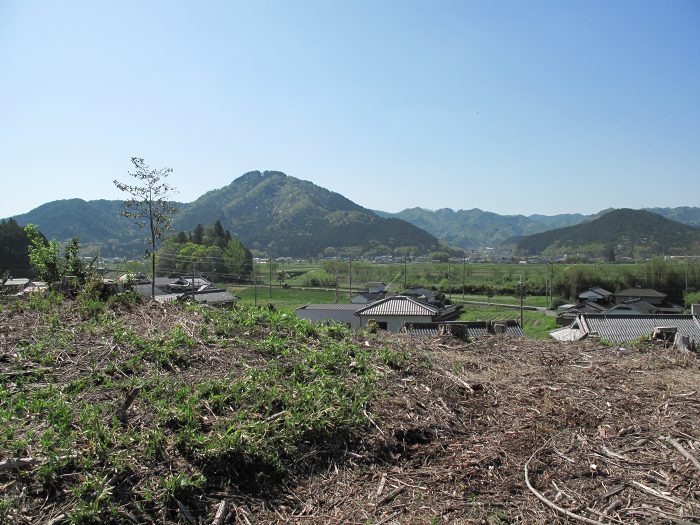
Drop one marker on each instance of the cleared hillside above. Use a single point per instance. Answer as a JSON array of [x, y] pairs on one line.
[[149, 413]]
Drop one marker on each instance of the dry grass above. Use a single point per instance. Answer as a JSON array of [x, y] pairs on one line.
[[445, 431]]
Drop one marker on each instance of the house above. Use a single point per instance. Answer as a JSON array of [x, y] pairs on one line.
[[211, 296], [392, 313], [627, 327], [21, 286], [633, 306], [566, 315], [596, 294], [420, 294], [183, 284], [341, 313], [647, 294]]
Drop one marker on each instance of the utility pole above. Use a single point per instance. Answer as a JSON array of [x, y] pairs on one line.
[[269, 263], [521, 301], [405, 268], [193, 265], [255, 282], [449, 278], [464, 272], [350, 277], [336, 285]]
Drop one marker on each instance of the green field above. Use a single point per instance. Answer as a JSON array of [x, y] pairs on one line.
[[284, 298], [501, 281]]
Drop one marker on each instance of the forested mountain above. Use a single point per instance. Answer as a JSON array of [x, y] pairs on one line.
[[476, 228], [624, 232], [267, 211], [685, 214], [96, 223], [271, 211]]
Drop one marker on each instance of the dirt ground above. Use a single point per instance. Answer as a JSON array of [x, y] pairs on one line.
[[491, 431], [515, 431]]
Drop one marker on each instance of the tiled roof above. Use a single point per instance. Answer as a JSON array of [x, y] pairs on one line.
[[473, 328], [331, 306], [633, 305], [397, 305], [220, 296], [600, 291], [590, 294], [640, 292], [621, 328]]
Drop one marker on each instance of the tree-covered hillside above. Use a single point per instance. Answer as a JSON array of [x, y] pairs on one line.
[[633, 233], [476, 228], [270, 212], [275, 213]]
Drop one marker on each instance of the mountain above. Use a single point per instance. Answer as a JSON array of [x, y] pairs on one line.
[[627, 232], [267, 211], [475, 228], [685, 214], [271, 210]]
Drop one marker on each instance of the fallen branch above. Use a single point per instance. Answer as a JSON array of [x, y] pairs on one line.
[[21, 463], [551, 504], [391, 495], [221, 511], [684, 452]]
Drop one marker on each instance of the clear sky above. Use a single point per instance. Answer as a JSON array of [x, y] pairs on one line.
[[508, 106]]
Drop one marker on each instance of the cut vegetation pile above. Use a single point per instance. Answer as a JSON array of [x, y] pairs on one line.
[[138, 413]]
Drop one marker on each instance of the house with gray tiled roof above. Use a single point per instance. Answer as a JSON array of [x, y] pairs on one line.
[[627, 327], [393, 313]]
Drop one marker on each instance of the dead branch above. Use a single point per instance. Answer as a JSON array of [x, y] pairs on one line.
[[683, 451], [550, 504]]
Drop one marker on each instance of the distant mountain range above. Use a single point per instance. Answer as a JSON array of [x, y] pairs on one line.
[[271, 211], [623, 232], [474, 228], [268, 211]]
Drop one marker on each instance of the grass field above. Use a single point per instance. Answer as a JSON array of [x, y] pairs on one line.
[[528, 300], [284, 298]]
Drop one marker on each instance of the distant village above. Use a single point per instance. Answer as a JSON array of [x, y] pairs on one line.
[[612, 317]]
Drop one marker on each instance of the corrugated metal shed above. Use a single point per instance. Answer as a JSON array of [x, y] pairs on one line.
[[621, 328], [397, 306]]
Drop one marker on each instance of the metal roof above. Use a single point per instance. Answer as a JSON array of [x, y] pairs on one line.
[[621, 328], [397, 306], [331, 306]]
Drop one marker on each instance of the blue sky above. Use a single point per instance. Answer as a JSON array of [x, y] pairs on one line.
[[508, 106]]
